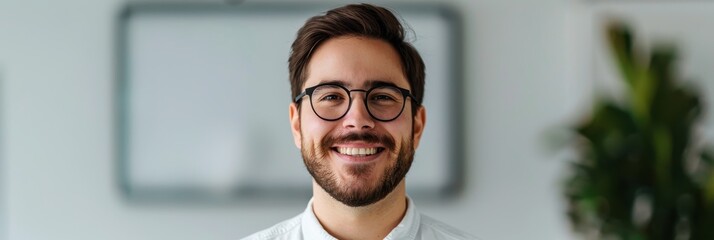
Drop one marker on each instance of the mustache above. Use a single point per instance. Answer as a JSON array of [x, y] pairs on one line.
[[387, 141]]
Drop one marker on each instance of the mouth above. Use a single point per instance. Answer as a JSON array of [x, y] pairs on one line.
[[358, 151], [359, 148]]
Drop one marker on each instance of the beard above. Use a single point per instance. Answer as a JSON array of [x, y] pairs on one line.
[[360, 191]]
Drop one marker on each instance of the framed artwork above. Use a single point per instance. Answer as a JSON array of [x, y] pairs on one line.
[[203, 96]]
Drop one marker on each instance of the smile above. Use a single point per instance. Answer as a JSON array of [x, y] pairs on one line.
[[358, 152]]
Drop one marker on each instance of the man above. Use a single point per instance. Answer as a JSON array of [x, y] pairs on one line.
[[357, 118]]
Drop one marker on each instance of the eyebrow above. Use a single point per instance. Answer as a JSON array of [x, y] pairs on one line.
[[368, 84]]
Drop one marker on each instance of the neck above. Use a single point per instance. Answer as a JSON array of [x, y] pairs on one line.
[[373, 221]]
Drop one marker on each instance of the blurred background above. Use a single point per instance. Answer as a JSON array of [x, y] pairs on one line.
[[528, 67]]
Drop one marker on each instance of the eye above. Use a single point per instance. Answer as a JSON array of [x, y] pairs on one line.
[[383, 98], [331, 97], [329, 94]]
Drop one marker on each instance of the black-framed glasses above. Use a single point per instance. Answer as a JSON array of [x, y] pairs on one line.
[[330, 102]]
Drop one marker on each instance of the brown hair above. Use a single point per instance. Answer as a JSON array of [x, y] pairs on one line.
[[363, 20]]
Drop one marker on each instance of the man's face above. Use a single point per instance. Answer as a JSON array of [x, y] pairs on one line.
[[357, 159]]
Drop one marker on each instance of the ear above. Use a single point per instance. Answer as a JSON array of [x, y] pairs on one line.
[[419, 122], [294, 113]]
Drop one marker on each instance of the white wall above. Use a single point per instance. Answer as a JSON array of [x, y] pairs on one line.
[[58, 166]]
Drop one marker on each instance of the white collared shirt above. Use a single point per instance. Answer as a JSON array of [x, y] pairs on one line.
[[413, 226]]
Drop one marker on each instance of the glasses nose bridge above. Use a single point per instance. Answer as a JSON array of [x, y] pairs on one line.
[[362, 117], [357, 90], [364, 101]]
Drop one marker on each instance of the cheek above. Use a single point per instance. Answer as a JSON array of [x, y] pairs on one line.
[[313, 129], [400, 129], [402, 125]]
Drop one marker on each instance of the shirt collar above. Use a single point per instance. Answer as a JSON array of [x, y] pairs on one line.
[[409, 226], [406, 229], [311, 228]]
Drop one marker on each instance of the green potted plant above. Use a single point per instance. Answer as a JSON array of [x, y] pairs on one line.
[[639, 171]]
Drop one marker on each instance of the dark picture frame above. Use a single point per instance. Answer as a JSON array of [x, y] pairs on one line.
[[158, 98]]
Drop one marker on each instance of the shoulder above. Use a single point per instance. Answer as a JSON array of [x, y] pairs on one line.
[[288, 229], [435, 229]]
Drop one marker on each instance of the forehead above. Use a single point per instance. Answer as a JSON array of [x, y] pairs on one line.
[[355, 62]]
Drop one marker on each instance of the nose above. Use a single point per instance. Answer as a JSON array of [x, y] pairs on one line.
[[357, 116]]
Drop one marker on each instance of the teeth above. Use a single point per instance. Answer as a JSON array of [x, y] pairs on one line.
[[357, 151]]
